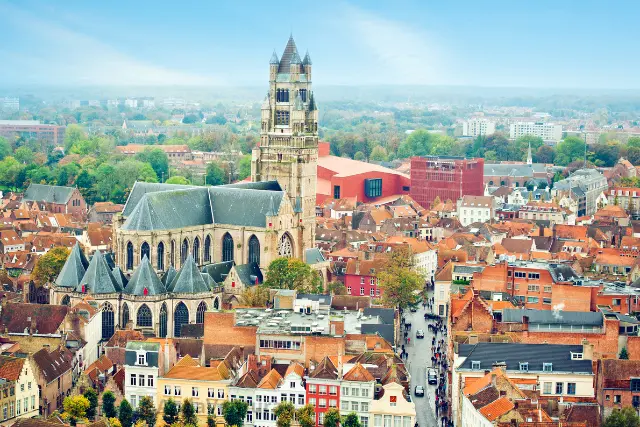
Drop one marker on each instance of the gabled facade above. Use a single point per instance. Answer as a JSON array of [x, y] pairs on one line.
[[142, 369], [357, 391], [323, 388]]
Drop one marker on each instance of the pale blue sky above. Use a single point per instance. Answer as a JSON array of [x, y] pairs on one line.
[[560, 43]]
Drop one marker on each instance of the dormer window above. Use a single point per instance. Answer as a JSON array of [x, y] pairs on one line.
[[475, 364], [524, 366], [576, 356], [547, 367], [142, 358]]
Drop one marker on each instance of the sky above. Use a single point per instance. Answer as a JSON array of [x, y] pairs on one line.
[[490, 43]]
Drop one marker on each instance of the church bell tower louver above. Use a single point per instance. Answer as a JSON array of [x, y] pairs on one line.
[[288, 150]]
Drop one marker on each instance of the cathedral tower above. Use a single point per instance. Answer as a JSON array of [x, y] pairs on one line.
[[288, 150]]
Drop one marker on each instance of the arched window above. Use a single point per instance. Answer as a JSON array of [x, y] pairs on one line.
[[202, 307], [129, 256], [254, 250], [285, 246], [125, 315], [184, 251], [180, 317], [207, 249], [490, 182], [160, 255], [216, 304], [163, 321], [173, 253], [144, 318], [66, 300], [144, 251], [227, 247], [196, 250], [108, 325]]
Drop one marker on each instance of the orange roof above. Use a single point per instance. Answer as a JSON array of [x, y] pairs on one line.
[[380, 215], [198, 373], [271, 380], [295, 368], [417, 246], [10, 367], [187, 361], [575, 232], [497, 408], [473, 385], [358, 373]]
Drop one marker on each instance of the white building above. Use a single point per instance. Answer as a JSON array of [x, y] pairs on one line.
[[131, 103], [90, 330], [477, 127], [356, 392], [546, 131], [141, 366], [476, 209], [9, 104]]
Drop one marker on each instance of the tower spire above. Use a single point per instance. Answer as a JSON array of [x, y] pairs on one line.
[[529, 158]]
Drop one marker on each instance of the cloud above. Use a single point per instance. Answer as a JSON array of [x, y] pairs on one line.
[[65, 56], [408, 55]]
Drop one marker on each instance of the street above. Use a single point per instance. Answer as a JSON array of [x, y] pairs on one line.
[[419, 360]]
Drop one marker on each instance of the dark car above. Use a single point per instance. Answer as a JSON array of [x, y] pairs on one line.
[[413, 309], [419, 391]]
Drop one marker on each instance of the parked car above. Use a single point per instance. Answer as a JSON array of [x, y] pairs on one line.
[[419, 333], [413, 309], [419, 391], [432, 376]]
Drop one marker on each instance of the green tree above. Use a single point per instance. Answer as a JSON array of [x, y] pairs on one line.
[[359, 156], [306, 416], [10, 169], [24, 155], [398, 280], [332, 418], [189, 416], [244, 167], [147, 411], [379, 154], [75, 407], [351, 420], [49, 265], [292, 273], [211, 421], [626, 417], [114, 422], [125, 413], [177, 179], [158, 160], [73, 135], [170, 412], [190, 119], [634, 141], [215, 174], [254, 296], [336, 288], [109, 405], [569, 150], [234, 412], [92, 397], [5, 148], [521, 146], [624, 354], [544, 154], [284, 412]]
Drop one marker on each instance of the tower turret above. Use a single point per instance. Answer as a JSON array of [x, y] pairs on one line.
[[273, 66], [306, 62]]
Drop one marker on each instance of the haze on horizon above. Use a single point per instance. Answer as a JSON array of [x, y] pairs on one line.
[[408, 42]]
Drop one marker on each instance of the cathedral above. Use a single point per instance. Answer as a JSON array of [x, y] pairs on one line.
[[178, 246]]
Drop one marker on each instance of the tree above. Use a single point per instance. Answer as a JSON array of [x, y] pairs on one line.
[[49, 265], [189, 416], [570, 149], [499, 144], [332, 418], [125, 413], [379, 154], [336, 288], [114, 422], [626, 417], [633, 155], [5, 148], [284, 413], [147, 411], [177, 179], [109, 405], [624, 354], [170, 412], [10, 169], [211, 421], [190, 119], [545, 154], [215, 174], [398, 281], [359, 156], [292, 273], [633, 141], [244, 167], [24, 155], [254, 296], [234, 412], [351, 420], [92, 397], [73, 135], [306, 416], [75, 407], [158, 160]]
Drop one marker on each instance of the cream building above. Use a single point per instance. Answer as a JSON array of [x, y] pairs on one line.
[[393, 409], [546, 131], [20, 397], [478, 127]]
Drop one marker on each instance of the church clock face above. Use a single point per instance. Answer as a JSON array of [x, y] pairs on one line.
[[284, 247]]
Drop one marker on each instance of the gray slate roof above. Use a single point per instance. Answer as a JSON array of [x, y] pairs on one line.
[[534, 354], [289, 51], [98, 279], [313, 256], [145, 277], [120, 277], [218, 271], [73, 269], [244, 207], [189, 280], [549, 317], [168, 277], [141, 188], [467, 269], [248, 273], [48, 193]]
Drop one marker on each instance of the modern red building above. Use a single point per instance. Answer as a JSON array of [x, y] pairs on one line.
[[53, 135], [448, 178]]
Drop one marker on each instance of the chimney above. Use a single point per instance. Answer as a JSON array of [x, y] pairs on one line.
[[500, 365], [587, 351], [336, 327], [358, 266], [252, 363], [493, 379]]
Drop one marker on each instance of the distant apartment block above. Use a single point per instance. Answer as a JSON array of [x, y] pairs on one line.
[[9, 104], [546, 131], [477, 127], [176, 153], [33, 129], [174, 103]]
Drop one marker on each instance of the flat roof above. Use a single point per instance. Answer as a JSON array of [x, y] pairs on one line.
[[348, 167]]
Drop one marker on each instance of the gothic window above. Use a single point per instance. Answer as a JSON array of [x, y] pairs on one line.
[[163, 321], [160, 255], [282, 118], [196, 250], [216, 304], [180, 317], [66, 300], [173, 253], [129, 256], [303, 94], [144, 251], [285, 246], [108, 327], [125, 315], [207, 249], [286, 95], [254, 250], [184, 251], [145, 319], [227, 247], [202, 307]]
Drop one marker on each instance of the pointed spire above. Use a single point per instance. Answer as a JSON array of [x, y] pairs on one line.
[[169, 276], [145, 278], [529, 157], [98, 278], [119, 276], [73, 269], [307, 59], [274, 58], [287, 55], [189, 280], [295, 58]]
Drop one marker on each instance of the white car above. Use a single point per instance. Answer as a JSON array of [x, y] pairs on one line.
[[432, 376], [419, 391]]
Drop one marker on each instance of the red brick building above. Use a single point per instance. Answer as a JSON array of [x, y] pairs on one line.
[[56, 199], [618, 384], [360, 277], [323, 389], [448, 178], [52, 135]]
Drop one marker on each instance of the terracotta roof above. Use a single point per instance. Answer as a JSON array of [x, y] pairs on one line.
[[358, 373], [518, 246], [417, 246], [380, 215], [103, 364], [195, 373], [10, 367], [325, 370], [295, 368], [122, 337], [187, 361], [497, 408], [271, 380], [573, 232], [16, 317]]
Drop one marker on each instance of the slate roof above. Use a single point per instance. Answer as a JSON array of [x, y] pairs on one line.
[[248, 273], [535, 354], [98, 278], [229, 205], [218, 271], [313, 256], [188, 280], [73, 269], [141, 188], [16, 317], [145, 278], [468, 269], [52, 365], [290, 51], [48, 193], [119, 276], [168, 277], [549, 317]]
